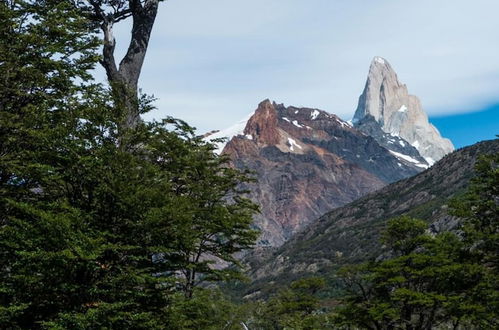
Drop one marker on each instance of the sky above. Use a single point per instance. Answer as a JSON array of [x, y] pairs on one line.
[[211, 62], [463, 128]]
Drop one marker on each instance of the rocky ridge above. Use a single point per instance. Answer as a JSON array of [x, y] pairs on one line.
[[386, 105], [307, 162], [350, 234]]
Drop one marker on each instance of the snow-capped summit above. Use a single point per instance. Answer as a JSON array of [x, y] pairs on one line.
[[308, 161], [227, 134], [387, 102]]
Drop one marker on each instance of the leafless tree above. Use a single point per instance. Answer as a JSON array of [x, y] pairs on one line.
[[124, 77]]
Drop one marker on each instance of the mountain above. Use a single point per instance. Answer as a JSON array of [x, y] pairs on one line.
[[393, 117], [350, 234], [306, 162]]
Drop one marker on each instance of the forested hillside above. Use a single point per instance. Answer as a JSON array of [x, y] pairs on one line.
[[350, 234]]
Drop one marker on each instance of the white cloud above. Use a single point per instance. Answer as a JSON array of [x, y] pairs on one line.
[[211, 62]]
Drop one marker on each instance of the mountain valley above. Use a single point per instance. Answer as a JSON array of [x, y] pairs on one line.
[[350, 234]]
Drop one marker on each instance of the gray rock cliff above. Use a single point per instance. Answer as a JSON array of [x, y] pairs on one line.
[[388, 103]]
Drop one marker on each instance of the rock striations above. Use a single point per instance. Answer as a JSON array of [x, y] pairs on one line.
[[386, 104]]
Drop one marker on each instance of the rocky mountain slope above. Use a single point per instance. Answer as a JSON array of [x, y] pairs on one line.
[[307, 162], [387, 112], [350, 234]]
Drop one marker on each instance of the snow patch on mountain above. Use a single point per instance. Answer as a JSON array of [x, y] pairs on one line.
[[343, 123], [292, 143], [295, 122], [429, 160], [408, 158], [228, 133], [314, 114]]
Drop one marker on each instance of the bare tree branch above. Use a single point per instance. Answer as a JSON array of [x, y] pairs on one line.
[[125, 76]]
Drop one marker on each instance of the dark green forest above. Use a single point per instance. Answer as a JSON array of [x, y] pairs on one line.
[[110, 222]]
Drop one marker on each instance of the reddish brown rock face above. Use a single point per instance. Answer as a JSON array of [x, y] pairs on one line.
[[307, 162], [263, 124]]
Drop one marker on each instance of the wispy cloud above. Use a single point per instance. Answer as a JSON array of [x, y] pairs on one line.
[[211, 62]]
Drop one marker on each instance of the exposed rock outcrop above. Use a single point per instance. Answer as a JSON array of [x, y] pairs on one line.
[[307, 162], [350, 234], [262, 126], [386, 103]]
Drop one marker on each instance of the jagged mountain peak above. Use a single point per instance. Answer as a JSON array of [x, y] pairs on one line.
[[262, 126], [306, 161], [381, 68], [387, 102], [275, 124], [381, 79]]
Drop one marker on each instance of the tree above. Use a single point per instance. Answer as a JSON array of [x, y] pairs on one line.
[[125, 76], [296, 307], [102, 246], [207, 309], [479, 209], [211, 219], [94, 234], [46, 53], [427, 282]]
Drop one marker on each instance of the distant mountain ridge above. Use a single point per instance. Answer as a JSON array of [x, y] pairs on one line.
[[308, 161]]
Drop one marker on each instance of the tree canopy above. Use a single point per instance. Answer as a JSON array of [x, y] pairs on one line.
[[100, 228], [431, 280]]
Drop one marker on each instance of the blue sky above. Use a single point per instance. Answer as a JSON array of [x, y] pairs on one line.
[[211, 62], [466, 128]]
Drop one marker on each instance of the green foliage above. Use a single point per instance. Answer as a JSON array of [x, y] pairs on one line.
[[109, 228], [421, 287], [44, 62], [99, 228], [428, 281], [297, 307], [479, 207], [403, 235], [207, 309]]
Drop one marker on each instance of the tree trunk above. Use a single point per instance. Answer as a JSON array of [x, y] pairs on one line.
[[189, 285], [124, 79]]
